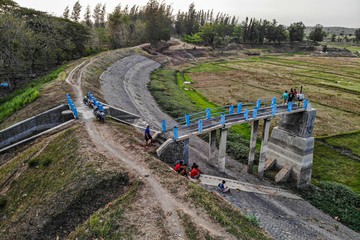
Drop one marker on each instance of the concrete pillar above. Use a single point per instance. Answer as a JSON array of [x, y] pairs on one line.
[[254, 131], [263, 150], [222, 150], [213, 149], [292, 144], [186, 151]]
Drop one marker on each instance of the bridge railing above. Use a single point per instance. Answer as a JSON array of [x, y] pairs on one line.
[[222, 115], [72, 106]]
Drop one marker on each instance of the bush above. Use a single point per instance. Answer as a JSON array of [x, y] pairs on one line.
[[33, 162], [337, 200], [3, 202], [46, 162]]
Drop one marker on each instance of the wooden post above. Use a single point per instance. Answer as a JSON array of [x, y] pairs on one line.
[[254, 131], [263, 150]]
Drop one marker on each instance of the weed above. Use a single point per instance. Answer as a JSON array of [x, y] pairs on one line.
[[225, 214], [252, 219], [46, 161], [34, 162]]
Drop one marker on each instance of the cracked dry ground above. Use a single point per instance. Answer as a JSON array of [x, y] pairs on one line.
[[126, 82]]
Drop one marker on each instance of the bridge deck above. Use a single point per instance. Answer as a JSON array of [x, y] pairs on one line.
[[208, 125]]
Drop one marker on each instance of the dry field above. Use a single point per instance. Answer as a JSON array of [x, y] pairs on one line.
[[331, 84]]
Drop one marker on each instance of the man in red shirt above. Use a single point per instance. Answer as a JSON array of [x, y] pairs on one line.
[[195, 172]]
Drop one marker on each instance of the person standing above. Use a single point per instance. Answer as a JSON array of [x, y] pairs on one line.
[[291, 95], [285, 97], [148, 136]]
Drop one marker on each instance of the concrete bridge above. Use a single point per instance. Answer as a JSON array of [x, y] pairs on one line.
[[290, 147]]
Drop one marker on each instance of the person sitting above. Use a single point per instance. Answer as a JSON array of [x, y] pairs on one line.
[[183, 170], [195, 171], [223, 188], [177, 166]]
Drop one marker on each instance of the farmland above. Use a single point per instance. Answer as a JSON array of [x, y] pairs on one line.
[[331, 84]]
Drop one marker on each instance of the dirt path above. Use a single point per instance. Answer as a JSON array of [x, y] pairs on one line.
[[155, 196]]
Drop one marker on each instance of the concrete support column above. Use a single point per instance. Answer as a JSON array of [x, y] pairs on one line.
[[213, 149], [264, 147], [222, 150], [186, 151], [254, 132]]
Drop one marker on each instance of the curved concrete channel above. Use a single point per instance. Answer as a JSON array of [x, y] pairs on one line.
[[125, 86]]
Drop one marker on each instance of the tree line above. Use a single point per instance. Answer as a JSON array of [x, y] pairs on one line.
[[32, 41]]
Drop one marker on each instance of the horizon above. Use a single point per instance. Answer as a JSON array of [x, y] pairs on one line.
[[346, 15]]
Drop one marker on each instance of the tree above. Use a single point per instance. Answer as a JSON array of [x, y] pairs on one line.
[[97, 15], [66, 13], [87, 17], [357, 35], [75, 15], [102, 16], [296, 32], [158, 18], [333, 37], [317, 34]]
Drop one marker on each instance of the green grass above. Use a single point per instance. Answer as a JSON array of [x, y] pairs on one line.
[[169, 91], [348, 142], [109, 222], [169, 96], [41, 180], [191, 231], [338, 201], [330, 165], [25, 95], [231, 219]]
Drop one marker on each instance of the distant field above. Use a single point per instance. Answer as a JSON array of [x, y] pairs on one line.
[[331, 84]]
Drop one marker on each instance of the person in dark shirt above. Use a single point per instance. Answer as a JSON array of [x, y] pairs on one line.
[[223, 188], [148, 136]]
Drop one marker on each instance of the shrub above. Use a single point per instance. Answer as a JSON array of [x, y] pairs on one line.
[[3, 202], [33, 162], [252, 219], [337, 200], [46, 162]]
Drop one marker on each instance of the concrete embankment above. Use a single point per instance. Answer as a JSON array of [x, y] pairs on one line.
[[35, 125]]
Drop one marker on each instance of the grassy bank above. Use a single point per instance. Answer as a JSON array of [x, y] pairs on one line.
[[109, 222], [337, 158], [177, 99], [54, 186], [25, 95]]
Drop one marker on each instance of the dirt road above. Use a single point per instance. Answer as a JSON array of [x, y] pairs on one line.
[[155, 196]]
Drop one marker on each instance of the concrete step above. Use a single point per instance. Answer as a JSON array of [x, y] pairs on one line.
[[283, 174], [269, 163]]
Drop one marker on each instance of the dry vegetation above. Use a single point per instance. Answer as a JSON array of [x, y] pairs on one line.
[[331, 84]]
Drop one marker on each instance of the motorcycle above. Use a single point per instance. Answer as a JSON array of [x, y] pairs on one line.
[[99, 115]]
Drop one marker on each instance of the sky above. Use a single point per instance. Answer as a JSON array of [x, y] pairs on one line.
[[344, 13]]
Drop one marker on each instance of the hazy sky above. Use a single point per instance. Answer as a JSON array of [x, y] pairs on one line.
[[344, 13]]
